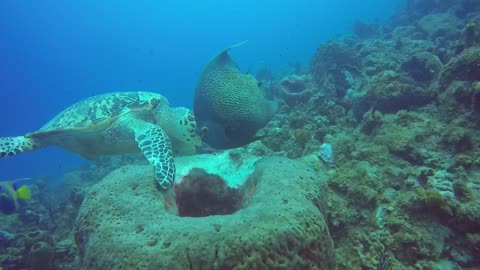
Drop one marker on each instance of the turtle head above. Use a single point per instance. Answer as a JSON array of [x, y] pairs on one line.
[[180, 125], [187, 129]]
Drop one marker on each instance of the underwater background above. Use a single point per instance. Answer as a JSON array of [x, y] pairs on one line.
[[54, 54], [361, 149]]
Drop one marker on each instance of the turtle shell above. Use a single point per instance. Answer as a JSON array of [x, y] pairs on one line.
[[99, 107]]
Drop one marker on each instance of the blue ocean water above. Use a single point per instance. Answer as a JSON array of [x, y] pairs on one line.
[[55, 53]]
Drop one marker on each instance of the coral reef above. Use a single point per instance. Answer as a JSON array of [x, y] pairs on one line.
[[439, 25], [464, 67], [390, 92], [471, 34], [365, 30], [296, 89], [335, 65], [423, 67], [404, 123], [40, 250], [388, 117], [41, 256]]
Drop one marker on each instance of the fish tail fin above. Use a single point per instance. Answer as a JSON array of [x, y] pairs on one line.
[[10, 146], [272, 107], [23, 193]]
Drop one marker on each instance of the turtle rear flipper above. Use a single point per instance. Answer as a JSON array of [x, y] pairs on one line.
[[156, 147], [10, 146]]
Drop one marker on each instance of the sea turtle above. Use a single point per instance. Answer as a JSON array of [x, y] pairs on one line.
[[117, 123]]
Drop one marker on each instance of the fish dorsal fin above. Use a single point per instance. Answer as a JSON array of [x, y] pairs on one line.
[[223, 59], [238, 44]]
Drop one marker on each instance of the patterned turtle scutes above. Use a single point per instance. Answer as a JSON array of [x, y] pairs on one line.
[[91, 109], [98, 107], [154, 99]]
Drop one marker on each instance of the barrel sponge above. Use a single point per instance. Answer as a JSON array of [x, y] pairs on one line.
[[41, 256], [36, 236], [280, 224]]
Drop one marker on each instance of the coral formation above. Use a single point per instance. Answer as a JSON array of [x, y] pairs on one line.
[[390, 92], [471, 34], [268, 225], [365, 30], [439, 24], [41, 256], [423, 67], [335, 64], [36, 236], [39, 249], [399, 105], [465, 67], [284, 229], [296, 89], [404, 127]]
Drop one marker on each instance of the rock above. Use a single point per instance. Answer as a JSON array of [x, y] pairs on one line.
[[464, 67], [295, 89], [439, 24], [6, 238], [337, 63], [389, 92], [365, 30], [423, 67], [126, 223], [65, 254]]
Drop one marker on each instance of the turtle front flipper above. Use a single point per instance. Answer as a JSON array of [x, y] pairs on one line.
[[10, 146], [156, 147]]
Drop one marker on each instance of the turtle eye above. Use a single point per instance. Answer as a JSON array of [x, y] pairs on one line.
[[154, 102]]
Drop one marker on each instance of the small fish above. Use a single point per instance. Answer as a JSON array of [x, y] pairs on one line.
[[12, 195]]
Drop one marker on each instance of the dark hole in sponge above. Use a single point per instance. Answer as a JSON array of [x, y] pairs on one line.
[[201, 194]]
